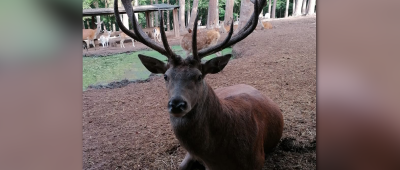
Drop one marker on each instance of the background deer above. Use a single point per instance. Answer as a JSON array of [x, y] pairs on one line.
[[205, 39], [105, 38], [264, 24], [124, 37], [225, 29], [227, 128], [157, 34], [91, 34]]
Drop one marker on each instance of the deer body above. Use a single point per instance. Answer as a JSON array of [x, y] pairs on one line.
[[265, 24], [124, 37], [91, 34], [157, 34], [229, 128], [223, 126], [105, 38], [205, 39]]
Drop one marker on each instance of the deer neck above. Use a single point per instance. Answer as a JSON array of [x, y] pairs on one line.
[[197, 131]]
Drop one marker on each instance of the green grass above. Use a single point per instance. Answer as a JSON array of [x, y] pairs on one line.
[[103, 70]]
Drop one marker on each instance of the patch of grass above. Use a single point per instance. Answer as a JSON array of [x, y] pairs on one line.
[[103, 70]]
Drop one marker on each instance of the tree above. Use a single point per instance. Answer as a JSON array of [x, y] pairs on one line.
[[273, 9], [311, 7], [188, 13], [151, 15], [246, 9], [212, 17], [287, 9], [168, 27], [293, 7], [156, 15], [269, 8], [228, 11], [194, 12], [182, 15], [297, 11], [304, 7]]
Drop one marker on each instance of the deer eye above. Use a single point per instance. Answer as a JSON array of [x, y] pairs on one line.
[[199, 78], [165, 77]]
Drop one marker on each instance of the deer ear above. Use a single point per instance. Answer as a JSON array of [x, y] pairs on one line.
[[153, 65], [215, 65]]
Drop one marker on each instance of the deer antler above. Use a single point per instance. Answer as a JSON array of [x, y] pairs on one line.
[[139, 35], [242, 34]]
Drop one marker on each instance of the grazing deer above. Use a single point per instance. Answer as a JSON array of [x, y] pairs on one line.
[[205, 39], [227, 128], [91, 34], [124, 37]]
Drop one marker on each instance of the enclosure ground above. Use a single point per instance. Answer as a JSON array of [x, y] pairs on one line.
[[129, 128]]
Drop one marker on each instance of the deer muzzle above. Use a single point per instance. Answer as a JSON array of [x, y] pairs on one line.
[[177, 106]]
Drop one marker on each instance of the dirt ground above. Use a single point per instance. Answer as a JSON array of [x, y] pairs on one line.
[[129, 127]]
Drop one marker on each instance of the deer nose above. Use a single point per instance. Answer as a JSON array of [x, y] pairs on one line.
[[176, 105]]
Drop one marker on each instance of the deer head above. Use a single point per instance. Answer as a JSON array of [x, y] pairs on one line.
[[184, 77]]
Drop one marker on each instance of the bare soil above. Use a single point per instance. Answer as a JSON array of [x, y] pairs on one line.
[[129, 127]]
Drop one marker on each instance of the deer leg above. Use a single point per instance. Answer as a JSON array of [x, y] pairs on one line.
[[122, 43], [88, 42], [190, 163]]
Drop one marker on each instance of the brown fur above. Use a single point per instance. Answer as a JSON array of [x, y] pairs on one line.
[[265, 25], [232, 129], [124, 37], [204, 39], [229, 128], [227, 28], [91, 34]]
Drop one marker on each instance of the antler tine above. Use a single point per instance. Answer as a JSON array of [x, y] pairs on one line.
[[243, 33], [217, 47], [139, 34], [194, 40], [164, 37], [119, 22], [248, 24]]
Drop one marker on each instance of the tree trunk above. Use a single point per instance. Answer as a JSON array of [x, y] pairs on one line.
[[311, 7], [136, 14], [193, 14], [181, 15], [168, 23], [293, 7], [246, 9], [156, 21], [151, 15], [188, 14], [269, 8], [297, 12], [273, 9], [304, 7], [287, 9], [212, 13], [228, 11]]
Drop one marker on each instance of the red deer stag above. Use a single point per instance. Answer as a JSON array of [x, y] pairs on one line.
[[228, 128]]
